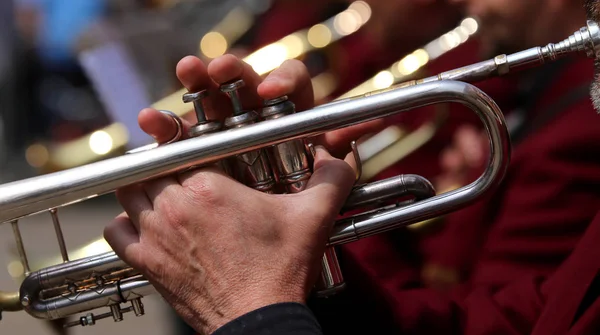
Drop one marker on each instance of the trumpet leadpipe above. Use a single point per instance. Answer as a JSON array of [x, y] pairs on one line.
[[584, 41]]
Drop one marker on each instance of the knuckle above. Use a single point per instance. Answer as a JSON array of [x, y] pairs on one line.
[[167, 197], [204, 189], [174, 214]]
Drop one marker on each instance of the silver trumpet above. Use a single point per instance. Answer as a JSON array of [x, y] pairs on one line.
[[266, 150]]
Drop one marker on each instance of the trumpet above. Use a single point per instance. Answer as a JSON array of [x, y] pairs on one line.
[[270, 151]]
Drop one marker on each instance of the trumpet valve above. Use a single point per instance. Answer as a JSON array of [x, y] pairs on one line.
[[196, 98], [232, 91], [251, 168], [291, 161], [203, 126], [289, 158]]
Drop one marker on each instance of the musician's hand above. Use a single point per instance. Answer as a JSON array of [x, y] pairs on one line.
[[216, 249], [291, 79]]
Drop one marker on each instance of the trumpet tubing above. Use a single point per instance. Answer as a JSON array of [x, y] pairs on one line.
[[268, 147]]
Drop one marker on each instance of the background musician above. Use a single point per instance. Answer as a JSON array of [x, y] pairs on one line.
[[521, 229]]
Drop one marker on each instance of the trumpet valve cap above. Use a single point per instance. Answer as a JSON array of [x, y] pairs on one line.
[[232, 86], [195, 96], [277, 107], [272, 102], [231, 89]]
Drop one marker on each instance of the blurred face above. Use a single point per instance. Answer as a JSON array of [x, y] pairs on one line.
[[593, 13], [504, 24]]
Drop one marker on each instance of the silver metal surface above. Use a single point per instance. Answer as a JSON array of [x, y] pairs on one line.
[[104, 280], [20, 246], [290, 159], [203, 126], [59, 235], [250, 168], [41, 302], [231, 90], [33, 195], [138, 307], [387, 189], [196, 98]]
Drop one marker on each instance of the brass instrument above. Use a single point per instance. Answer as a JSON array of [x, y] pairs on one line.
[[265, 150], [113, 139], [377, 153]]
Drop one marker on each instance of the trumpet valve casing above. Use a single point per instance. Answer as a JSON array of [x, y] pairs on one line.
[[290, 159], [294, 170]]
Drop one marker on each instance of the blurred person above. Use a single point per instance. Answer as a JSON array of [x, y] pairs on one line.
[[544, 205], [255, 272], [395, 29], [63, 105]]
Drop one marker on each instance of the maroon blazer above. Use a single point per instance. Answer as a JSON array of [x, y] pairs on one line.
[[565, 302], [525, 230]]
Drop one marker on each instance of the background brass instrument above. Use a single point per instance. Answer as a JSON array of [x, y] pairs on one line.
[[82, 285], [114, 139]]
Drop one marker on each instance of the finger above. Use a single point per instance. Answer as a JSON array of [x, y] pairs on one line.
[[193, 75], [160, 126], [188, 178], [124, 239], [229, 68], [162, 192], [330, 184], [338, 141], [291, 79], [135, 202]]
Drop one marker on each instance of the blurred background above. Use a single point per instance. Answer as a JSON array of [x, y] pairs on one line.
[[74, 75]]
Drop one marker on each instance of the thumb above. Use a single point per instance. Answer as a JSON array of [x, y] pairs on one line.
[[330, 184]]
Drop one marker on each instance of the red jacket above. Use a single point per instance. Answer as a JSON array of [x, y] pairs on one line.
[[526, 230], [565, 302], [562, 303]]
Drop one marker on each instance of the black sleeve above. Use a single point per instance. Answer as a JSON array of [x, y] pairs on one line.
[[284, 318]]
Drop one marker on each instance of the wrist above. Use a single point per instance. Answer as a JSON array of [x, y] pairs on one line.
[[238, 305]]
